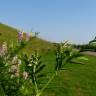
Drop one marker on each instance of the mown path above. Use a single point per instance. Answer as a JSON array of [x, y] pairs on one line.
[[90, 53]]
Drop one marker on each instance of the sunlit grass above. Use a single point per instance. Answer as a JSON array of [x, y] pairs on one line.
[[75, 80]]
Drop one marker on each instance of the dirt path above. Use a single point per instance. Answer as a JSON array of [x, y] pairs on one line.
[[90, 53]]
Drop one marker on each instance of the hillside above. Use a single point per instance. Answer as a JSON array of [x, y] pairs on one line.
[[10, 34], [7, 33]]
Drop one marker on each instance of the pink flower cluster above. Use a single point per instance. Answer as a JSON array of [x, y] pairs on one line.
[[15, 66], [21, 36], [3, 49]]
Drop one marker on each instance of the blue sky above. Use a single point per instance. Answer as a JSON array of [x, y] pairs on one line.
[[56, 20]]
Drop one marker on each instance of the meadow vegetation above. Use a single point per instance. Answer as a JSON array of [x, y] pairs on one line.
[[30, 66]]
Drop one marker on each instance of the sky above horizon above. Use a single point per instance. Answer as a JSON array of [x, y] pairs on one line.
[[56, 20]]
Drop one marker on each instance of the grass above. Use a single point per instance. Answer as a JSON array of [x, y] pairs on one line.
[[76, 80], [7, 33], [10, 35]]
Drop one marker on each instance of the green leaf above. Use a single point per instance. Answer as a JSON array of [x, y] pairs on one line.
[[73, 62], [40, 68], [83, 58], [39, 63], [41, 75]]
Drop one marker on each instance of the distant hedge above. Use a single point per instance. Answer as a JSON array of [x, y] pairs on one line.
[[86, 47]]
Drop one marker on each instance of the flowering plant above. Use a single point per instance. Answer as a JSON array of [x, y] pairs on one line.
[[19, 73]]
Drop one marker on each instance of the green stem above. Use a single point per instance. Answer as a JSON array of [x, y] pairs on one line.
[[2, 91], [35, 83], [46, 84]]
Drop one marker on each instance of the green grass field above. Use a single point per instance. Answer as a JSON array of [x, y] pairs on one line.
[[75, 80]]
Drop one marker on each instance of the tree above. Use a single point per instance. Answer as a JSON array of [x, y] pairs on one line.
[[36, 34], [93, 41]]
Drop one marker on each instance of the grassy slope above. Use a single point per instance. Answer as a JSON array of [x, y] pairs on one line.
[[38, 44], [9, 34]]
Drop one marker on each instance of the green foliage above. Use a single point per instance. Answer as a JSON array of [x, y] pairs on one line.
[[20, 73], [65, 54], [33, 66], [87, 47], [9, 81]]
